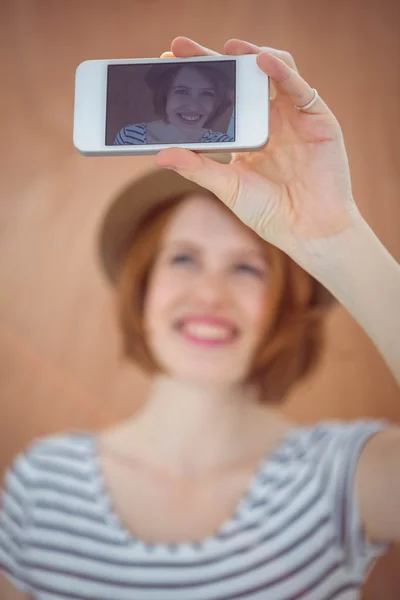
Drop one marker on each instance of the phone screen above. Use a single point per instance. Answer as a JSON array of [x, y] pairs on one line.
[[171, 103]]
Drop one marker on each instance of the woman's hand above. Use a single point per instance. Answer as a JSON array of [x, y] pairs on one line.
[[296, 192]]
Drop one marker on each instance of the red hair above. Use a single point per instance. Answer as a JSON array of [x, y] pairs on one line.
[[292, 340]]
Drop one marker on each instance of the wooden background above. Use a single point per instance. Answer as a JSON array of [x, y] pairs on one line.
[[59, 347]]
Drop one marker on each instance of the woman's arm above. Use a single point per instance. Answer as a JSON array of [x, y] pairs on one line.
[[361, 273], [296, 193], [365, 278]]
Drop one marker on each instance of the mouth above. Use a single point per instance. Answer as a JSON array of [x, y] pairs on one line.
[[207, 336], [189, 119]]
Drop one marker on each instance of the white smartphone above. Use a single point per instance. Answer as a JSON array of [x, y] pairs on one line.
[[141, 106]]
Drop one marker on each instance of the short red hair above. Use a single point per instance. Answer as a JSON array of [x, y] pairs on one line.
[[291, 344]]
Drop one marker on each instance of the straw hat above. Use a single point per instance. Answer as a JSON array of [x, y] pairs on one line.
[[120, 222]]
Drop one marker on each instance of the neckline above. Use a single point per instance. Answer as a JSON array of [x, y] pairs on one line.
[[105, 498]]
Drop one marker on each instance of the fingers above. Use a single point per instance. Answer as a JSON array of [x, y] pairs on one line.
[[184, 47], [290, 83], [279, 65], [237, 47]]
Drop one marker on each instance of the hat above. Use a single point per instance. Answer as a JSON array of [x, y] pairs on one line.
[[156, 72], [125, 213]]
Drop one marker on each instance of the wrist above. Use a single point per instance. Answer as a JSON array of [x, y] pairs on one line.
[[352, 263], [327, 256]]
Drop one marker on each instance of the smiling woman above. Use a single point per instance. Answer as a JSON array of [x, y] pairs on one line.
[[187, 99], [209, 491], [192, 241]]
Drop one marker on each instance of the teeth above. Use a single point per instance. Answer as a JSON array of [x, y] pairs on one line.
[[207, 331], [187, 118]]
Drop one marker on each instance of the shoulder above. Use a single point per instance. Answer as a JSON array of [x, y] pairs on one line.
[[132, 134], [41, 453], [335, 432], [327, 456], [135, 127], [327, 443], [216, 136], [65, 442], [58, 466], [39, 480], [345, 435]]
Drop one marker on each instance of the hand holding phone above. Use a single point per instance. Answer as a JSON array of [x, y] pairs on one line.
[[296, 192]]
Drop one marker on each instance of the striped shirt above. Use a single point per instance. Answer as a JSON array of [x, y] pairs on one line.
[[296, 533], [137, 134]]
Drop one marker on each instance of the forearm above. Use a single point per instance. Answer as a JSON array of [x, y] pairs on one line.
[[365, 278]]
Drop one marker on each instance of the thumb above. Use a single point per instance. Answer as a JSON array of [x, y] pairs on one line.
[[220, 179]]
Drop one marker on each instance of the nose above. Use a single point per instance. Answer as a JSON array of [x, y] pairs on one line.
[[192, 104], [210, 288], [193, 99]]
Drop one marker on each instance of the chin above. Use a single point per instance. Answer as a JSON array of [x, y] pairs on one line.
[[228, 370], [202, 376]]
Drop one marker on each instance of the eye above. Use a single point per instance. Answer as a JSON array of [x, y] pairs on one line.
[[243, 267], [180, 258], [180, 91], [209, 94], [250, 269]]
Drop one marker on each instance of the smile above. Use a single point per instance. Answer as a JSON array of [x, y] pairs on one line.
[[189, 118], [206, 335]]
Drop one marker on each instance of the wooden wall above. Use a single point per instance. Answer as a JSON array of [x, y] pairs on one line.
[[59, 346]]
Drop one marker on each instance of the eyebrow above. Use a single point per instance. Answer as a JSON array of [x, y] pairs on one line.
[[237, 253]]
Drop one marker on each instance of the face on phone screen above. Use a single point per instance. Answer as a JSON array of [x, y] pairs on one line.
[[171, 103]]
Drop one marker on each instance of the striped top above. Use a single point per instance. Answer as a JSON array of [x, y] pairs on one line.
[[137, 134], [295, 533]]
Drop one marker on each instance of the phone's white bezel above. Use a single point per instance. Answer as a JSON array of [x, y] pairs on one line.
[[251, 102]]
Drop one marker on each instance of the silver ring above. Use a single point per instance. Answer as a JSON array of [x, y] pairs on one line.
[[310, 104]]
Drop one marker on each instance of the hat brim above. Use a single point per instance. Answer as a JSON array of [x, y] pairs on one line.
[[120, 222]]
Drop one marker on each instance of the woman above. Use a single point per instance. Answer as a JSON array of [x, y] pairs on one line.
[[187, 99], [223, 273]]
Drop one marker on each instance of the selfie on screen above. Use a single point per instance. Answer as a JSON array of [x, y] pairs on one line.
[[170, 103]]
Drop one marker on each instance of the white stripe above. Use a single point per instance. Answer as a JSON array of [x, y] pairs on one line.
[[12, 505]]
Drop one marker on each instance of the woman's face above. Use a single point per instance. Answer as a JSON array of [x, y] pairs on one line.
[[191, 99], [208, 265]]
